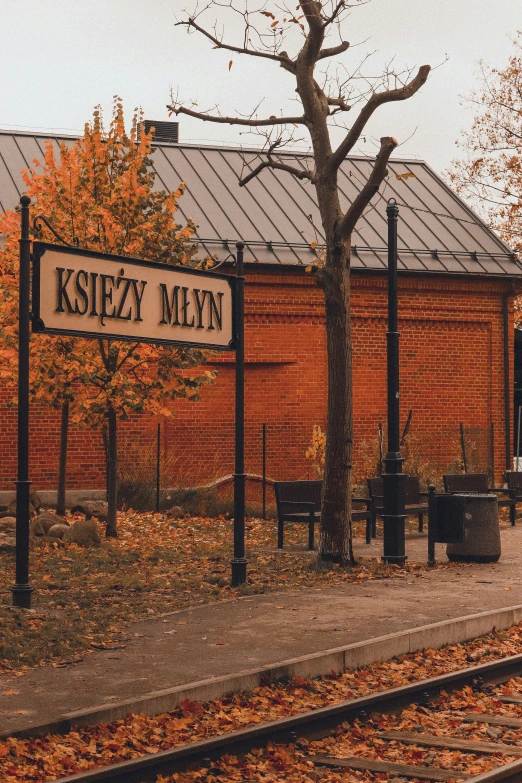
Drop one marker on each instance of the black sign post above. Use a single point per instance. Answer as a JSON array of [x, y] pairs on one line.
[[393, 478], [238, 562], [22, 589]]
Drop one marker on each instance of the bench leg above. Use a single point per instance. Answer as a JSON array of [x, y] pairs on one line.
[[369, 530], [279, 534], [374, 524], [311, 532], [513, 513], [421, 523]]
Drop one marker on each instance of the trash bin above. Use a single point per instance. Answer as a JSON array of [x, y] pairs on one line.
[[481, 539]]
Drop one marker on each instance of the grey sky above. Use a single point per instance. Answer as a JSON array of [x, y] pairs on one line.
[[60, 57]]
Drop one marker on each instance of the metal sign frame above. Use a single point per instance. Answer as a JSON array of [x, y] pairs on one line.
[[27, 312], [38, 326]]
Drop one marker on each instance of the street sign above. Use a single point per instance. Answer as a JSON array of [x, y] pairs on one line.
[[89, 294]]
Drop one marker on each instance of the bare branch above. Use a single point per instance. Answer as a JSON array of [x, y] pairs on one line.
[[333, 50], [251, 123], [337, 10], [339, 102], [270, 163], [378, 173], [282, 58], [377, 99]]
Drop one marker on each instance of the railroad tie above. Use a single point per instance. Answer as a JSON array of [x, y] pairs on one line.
[[452, 743], [514, 699], [493, 720], [376, 765]]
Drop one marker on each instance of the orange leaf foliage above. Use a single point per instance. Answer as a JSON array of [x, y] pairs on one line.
[[100, 190]]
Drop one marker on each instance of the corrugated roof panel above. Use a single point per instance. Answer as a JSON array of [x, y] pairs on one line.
[[252, 205], [433, 195], [288, 205], [171, 174], [251, 219], [10, 188], [30, 150], [14, 161], [275, 207]]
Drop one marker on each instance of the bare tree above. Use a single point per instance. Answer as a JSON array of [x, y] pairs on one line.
[[324, 99]]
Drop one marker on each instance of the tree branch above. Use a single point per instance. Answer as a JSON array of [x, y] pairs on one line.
[[314, 40], [333, 50], [282, 58], [378, 173], [337, 10], [270, 163], [377, 99], [251, 123], [339, 102]]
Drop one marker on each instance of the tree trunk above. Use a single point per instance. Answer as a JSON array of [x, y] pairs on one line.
[[112, 473], [62, 465], [335, 544]]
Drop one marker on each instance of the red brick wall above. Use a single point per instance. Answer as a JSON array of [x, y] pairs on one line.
[[451, 372]]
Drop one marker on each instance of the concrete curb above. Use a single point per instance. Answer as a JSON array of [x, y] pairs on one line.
[[338, 659]]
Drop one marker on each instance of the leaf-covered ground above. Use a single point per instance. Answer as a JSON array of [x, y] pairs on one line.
[[85, 598], [53, 756]]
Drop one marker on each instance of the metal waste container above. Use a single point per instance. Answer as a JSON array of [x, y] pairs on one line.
[[481, 534]]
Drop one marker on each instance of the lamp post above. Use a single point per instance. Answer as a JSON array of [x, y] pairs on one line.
[[238, 562], [393, 477]]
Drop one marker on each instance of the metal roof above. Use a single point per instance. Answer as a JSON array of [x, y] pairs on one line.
[[277, 215]]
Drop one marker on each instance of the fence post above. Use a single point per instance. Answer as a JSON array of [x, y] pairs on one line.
[[264, 471], [158, 471], [463, 448]]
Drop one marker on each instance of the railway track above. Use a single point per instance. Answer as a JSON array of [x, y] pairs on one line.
[[327, 727]]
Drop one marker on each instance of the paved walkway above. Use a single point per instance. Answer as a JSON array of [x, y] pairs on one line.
[[233, 636]]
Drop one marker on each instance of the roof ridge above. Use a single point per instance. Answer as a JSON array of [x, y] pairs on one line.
[[222, 147]]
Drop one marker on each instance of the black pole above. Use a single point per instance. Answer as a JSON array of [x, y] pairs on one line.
[[22, 589], [158, 457], [431, 525], [264, 471], [508, 389], [393, 478], [518, 439], [238, 562]]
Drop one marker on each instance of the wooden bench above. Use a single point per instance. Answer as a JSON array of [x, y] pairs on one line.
[[415, 502], [300, 501], [478, 482]]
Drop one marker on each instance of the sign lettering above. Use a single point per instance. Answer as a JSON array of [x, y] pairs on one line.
[[92, 294]]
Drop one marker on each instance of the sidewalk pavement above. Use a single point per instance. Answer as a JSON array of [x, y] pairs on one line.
[[256, 631]]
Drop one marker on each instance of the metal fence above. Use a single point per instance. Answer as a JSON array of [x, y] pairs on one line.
[[157, 472]]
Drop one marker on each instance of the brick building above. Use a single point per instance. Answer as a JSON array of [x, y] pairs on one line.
[[457, 282]]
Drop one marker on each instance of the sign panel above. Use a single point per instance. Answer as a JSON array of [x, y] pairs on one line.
[[90, 294]]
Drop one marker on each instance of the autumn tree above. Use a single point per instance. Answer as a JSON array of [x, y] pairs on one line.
[[301, 43], [100, 193], [490, 172]]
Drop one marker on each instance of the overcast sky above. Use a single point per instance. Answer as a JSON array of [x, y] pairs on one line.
[[59, 58]]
